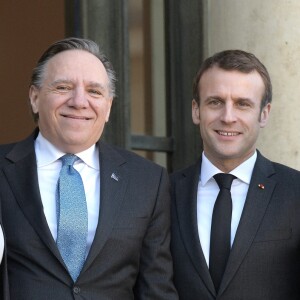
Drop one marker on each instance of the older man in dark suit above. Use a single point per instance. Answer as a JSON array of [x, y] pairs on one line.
[[235, 214], [83, 220]]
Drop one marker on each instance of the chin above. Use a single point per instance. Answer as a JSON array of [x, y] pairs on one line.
[[228, 155]]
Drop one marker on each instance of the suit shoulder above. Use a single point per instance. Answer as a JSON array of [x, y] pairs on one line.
[[135, 159], [282, 174], [5, 148], [285, 170], [184, 172]]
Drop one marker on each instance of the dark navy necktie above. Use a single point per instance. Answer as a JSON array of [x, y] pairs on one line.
[[72, 216], [220, 229]]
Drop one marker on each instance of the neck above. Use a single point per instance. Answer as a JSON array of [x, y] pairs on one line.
[[229, 164]]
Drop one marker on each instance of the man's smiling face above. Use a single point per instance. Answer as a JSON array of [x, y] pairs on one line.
[[73, 101], [229, 115]]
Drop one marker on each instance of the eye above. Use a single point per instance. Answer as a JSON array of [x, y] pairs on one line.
[[94, 92], [63, 88], [243, 104], [214, 102]]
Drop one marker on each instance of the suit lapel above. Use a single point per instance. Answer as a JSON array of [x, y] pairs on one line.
[[255, 206], [21, 174], [186, 205], [113, 184]]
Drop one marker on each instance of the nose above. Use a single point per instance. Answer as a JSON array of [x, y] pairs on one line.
[[228, 113], [78, 98]]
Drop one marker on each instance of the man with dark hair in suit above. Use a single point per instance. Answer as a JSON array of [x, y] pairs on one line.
[[235, 214], [83, 220]]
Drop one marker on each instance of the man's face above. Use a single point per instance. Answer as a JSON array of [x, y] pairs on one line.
[[73, 102], [230, 115]]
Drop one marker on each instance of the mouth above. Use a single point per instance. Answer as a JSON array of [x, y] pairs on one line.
[[76, 117], [227, 133]]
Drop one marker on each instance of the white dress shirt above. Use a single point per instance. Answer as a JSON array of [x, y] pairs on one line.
[[208, 190], [48, 168]]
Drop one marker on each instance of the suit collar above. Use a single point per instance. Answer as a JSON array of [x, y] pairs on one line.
[[47, 153], [243, 171], [22, 149]]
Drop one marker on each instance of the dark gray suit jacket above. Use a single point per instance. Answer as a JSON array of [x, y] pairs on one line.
[[264, 263], [130, 256]]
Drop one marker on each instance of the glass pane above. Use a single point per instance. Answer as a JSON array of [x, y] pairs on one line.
[[147, 71]]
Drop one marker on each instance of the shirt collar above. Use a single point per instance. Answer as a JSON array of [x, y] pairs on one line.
[[47, 153], [243, 172]]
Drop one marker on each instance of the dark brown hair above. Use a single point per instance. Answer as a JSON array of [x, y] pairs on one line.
[[238, 60]]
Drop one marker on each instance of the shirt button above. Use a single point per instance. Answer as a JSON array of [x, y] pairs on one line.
[[76, 289]]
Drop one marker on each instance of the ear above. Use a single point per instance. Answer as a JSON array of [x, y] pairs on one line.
[[34, 98], [109, 104], [195, 112], [264, 115]]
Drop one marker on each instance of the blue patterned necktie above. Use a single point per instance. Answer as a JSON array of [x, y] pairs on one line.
[[71, 216]]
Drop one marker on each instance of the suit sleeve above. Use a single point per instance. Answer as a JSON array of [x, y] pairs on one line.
[[155, 280]]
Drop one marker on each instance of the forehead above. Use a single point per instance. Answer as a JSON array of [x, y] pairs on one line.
[[74, 65], [218, 81]]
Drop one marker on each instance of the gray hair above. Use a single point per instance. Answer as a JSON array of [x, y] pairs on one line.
[[72, 44]]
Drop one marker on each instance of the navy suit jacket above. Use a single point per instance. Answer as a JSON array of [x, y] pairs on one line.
[[264, 263], [130, 255]]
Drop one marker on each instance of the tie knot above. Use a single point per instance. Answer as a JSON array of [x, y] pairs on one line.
[[68, 159], [224, 180]]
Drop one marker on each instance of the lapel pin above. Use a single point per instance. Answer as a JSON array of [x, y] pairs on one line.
[[261, 186], [114, 176]]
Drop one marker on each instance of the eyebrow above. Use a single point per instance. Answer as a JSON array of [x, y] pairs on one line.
[[93, 84], [235, 99], [58, 81], [244, 99], [96, 85], [213, 98]]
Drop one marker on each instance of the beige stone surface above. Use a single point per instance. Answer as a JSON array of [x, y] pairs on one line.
[[271, 30]]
